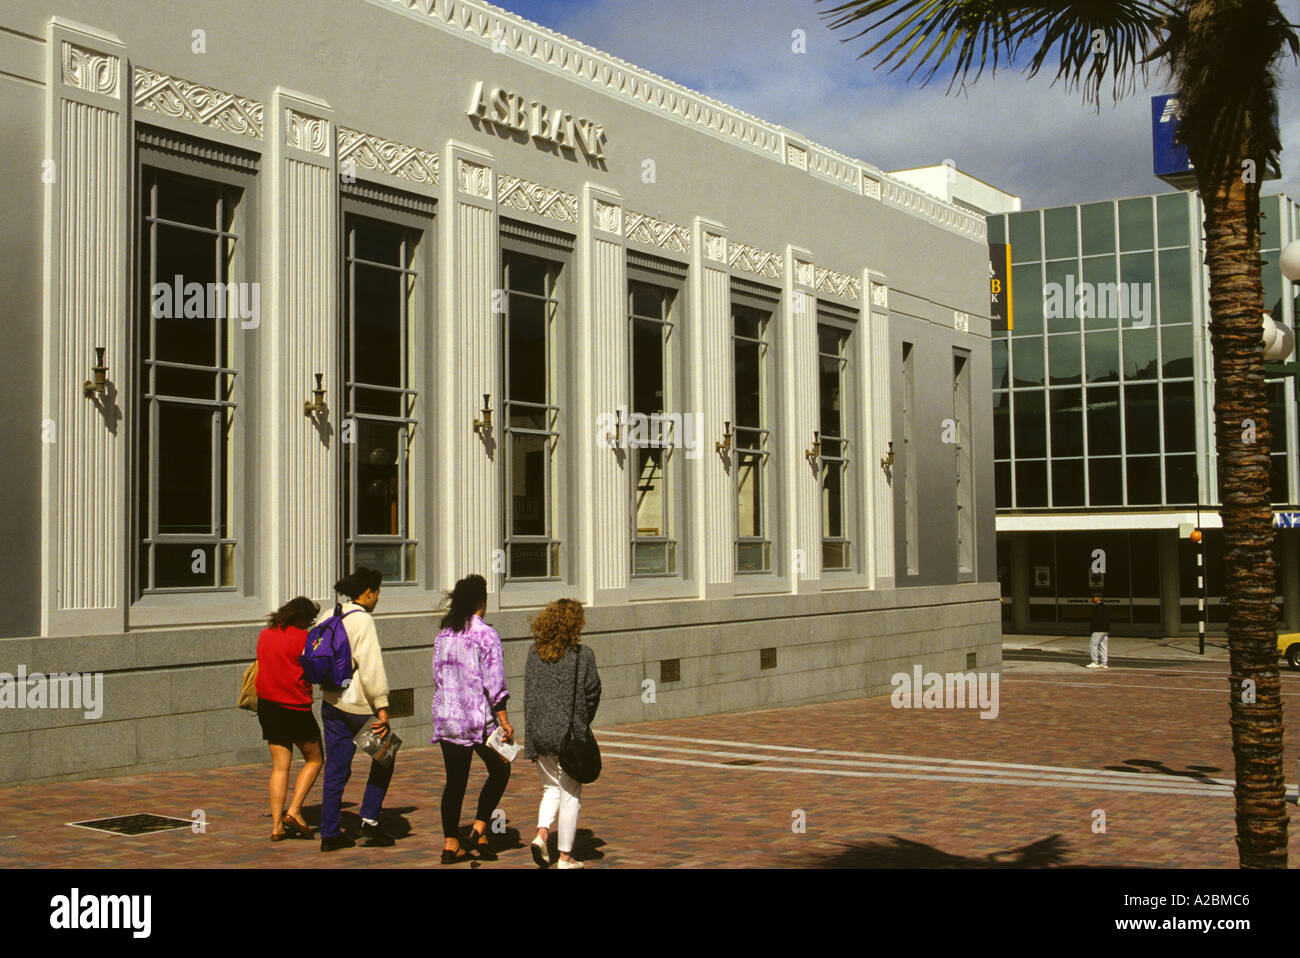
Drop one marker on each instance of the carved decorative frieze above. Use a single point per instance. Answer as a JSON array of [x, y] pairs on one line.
[[91, 71], [751, 259], [607, 216], [369, 152], [309, 133], [537, 199], [803, 273], [715, 247], [838, 284], [473, 178], [643, 228], [205, 105], [879, 295]]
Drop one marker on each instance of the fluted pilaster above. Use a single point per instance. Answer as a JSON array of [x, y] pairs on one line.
[[86, 175], [797, 354], [877, 393]]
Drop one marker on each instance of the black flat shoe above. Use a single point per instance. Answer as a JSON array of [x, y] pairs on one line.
[[454, 858], [376, 837], [336, 842]]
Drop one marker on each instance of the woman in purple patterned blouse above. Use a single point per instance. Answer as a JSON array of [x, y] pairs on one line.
[[469, 701]]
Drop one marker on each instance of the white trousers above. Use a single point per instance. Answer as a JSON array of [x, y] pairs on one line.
[[560, 796], [1097, 647]]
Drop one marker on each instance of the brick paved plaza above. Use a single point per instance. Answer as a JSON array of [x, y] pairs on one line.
[[879, 787]]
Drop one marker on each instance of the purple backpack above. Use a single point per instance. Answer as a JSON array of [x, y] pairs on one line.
[[327, 657]]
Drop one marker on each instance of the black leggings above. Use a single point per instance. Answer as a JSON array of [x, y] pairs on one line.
[[456, 759]]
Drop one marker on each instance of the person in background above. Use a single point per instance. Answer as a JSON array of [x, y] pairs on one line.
[[345, 712], [284, 711], [469, 701], [1097, 645], [549, 706]]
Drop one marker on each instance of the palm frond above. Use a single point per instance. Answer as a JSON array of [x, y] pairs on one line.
[[1088, 40]]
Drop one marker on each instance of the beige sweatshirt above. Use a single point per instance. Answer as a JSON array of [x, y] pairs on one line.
[[368, 691]]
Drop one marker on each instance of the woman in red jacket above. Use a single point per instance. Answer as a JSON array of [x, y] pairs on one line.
[[284, 709]]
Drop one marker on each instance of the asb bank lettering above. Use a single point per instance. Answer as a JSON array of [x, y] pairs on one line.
[[549, 123]]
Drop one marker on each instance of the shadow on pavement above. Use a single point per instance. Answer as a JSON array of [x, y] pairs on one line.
[[1198, 773], [901, 853]]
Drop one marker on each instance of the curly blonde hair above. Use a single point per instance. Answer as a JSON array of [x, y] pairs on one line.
[[558, 628]]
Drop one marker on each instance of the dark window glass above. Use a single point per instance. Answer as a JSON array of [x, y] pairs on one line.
[[1027, 290], [527, 330], [1101, 351], [379, 244], [1270, 223], [1103, 421], [1143, 480], [1176, 351], [1176, 286], [1100, 305], [1105, 482], [1180, 480], [1144, 575], [1171, 214], [1001, 425], [1002, 484], [1135, 224], [1060, 296], [1001, 376], [1067, 482], [1065, 358], [1137, 292], [1140, 360], [1180, 418], [1276, 391], [1067, 422], [1141, 420], [1060, 233], [377, 316], [997, 230], [1030, 426], [1031, 485], [748, 378], [1027, 361], [1278, 479], [1098, 221], [1023, 229], [524, 274]]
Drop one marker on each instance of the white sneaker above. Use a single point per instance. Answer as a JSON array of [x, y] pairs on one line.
[[1103, 666], [1093, 665], [540, 855], [570, 864]]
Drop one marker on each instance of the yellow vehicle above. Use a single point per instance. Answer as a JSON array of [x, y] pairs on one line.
[[1288, 644]]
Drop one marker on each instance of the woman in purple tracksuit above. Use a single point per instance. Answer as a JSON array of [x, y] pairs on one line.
[[469, 701]]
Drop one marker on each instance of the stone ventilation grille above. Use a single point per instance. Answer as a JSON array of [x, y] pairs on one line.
[[504, 30]]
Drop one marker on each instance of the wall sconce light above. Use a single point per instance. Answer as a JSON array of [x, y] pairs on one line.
[[100, 371], [813, 454], [888, 461], [617, 441], [318, 405], [484, 426], [724, 444]]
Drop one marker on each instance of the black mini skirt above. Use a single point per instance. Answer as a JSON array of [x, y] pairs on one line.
[[282, 725]]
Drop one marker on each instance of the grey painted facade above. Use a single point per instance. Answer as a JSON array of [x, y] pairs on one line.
[[107, 92]]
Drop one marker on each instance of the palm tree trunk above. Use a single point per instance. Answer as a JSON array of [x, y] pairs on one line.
[[1236, 305]]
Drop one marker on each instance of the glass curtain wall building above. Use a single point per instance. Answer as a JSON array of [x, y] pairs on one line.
[[1103, 405]]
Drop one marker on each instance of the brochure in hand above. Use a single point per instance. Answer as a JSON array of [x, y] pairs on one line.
[[497, 742], [382, 750]]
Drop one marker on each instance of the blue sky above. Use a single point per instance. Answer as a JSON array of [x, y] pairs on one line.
[[1026, 137]]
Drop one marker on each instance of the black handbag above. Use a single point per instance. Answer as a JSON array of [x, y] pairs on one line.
[[580, 758]]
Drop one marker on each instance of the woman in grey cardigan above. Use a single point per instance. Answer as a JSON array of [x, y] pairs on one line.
[[549, 701]]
